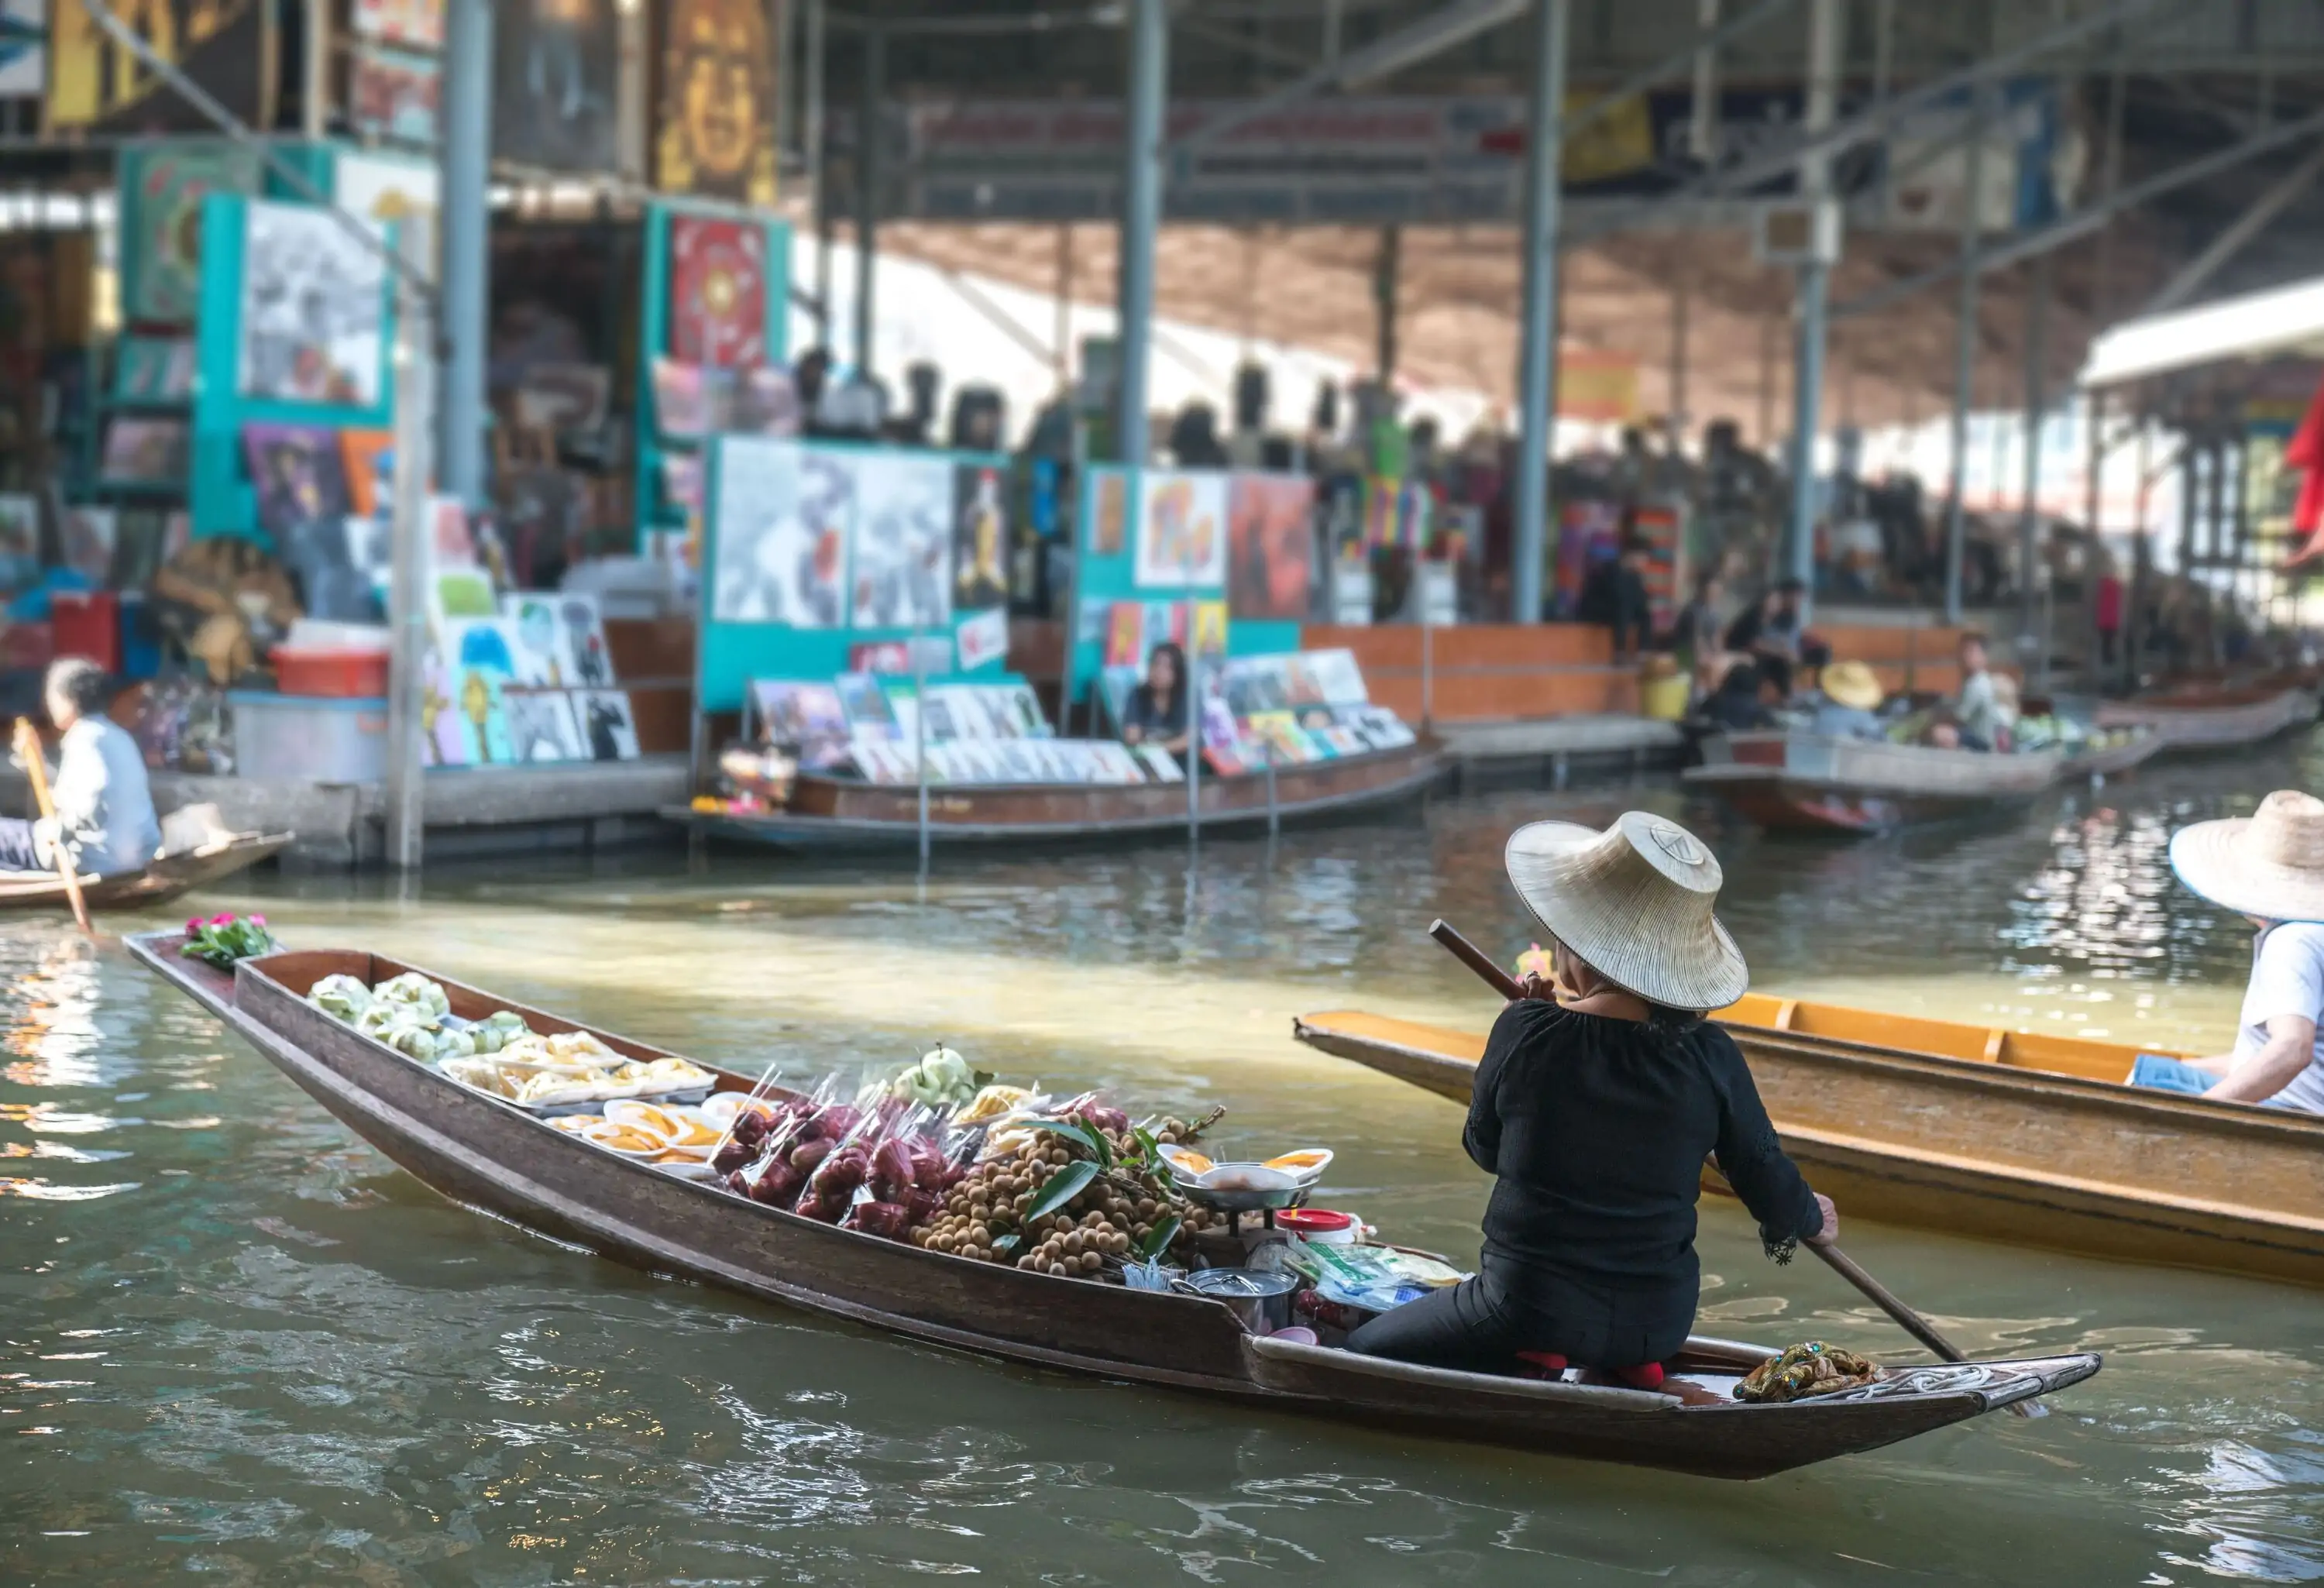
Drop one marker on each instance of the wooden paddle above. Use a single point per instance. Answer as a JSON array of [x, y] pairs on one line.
[[1841, 1263], [28, 750]]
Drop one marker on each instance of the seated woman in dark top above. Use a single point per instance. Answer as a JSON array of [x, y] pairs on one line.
[[1156, 712], [1594, 1108]]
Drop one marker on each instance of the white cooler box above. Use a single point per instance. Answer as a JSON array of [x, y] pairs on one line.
[[308, 738]]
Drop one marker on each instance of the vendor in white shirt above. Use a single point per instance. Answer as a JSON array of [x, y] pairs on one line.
[[105, 810], [2270, 870]]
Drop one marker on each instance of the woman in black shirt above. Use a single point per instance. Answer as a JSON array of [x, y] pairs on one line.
[[1594, 1112], [1156, 712]]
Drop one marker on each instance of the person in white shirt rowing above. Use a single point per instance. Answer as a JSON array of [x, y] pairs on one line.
[[2268, 868], [104, 809]]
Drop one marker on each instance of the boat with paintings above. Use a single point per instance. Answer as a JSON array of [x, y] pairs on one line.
[[168, 876], [828, 811], [2015, 1136], [1817, 783], [491, 1152], [2201, 720]]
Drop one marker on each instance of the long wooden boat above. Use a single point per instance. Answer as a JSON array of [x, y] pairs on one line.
[[2114, 760], [491, 1155], [164, 880], [2201, 720], [2012, 1136], [849, 813], [1817, 783]]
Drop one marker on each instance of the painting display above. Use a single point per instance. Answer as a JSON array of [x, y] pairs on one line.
[[478, 664], [384, 187], [394, 96], [163, 186], [1182, 530], [717, 108], [982, 637], [144, 451], [542, 726], [86, 540], [225, 48], [314, 310], [538, 655], [980, 548], [154, 369], [608, 728], [23, 49], [803, 717], [1271, 545], [20, 538], [903, 535], [298, 474], [717, 291], [368, 457], [556, 84], [589, 664], [417, 23], [781, 533]]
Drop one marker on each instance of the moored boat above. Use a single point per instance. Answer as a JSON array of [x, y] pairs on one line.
[[167, 877], [830, 812], [488, 1152], [1814, 783], [2201, 720], [2012, 1136]]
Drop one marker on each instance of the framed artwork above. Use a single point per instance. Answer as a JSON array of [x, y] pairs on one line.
[[23, 49], [440, 740], [565, 396], [588, 663], [419, 23], [1182, 530], [1109, 530], [539, 653], [766, 401], [298, 474], [1337, 677], [717, 287], [154, 369], [163, 186], [608, 727], [681, 400], [804, 715], [368, 459], [314, 310], [982, 637], [781, 531], [464, 594], [384, 187], [144, 451], [542, 726], [980, 547], [903, 535], [89, 536], [225, 48], [556, 84], [1271, 544], [394, 96], [717, 103]]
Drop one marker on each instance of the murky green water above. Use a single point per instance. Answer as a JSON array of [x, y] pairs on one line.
[[235, 1342]]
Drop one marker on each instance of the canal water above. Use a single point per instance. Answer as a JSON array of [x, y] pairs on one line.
[[234, 1341]]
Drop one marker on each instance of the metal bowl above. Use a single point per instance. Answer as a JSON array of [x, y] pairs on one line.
[[1283, 1190]]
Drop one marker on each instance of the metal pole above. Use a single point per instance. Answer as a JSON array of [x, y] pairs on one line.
[[467, 96], [2037, 355], [1964, 358], [1538, 348], [1141, 219], [407, 599], [1064, 327], [920, 736], [867, 192], [1384, 293], [1814, 296], [1675, 421], [1702, 127], [813, 116]]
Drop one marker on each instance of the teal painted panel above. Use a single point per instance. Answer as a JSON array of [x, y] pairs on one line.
[[221, 499]]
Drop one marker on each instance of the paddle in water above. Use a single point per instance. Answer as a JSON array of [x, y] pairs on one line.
[[1841, 1263], [28, 750]]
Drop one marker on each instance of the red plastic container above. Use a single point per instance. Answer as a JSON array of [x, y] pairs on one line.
[[339, 674], [87, 623]]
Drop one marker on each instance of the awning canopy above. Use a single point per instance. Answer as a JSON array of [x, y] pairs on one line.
[[2258, 325]]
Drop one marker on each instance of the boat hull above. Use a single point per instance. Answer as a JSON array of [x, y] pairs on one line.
[[839, 813], [164, 880], [1985, 1147], [1814, 783], [489, 1155], [2204, 722]]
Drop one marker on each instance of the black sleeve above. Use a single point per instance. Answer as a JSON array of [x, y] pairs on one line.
[[1481, 1139], [1754, 1163]]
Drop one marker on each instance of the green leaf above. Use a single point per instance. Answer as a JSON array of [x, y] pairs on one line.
[[1076, 1131], [1158, 1239], [1149, 1150], [1005, 1243], [1062, 1187]]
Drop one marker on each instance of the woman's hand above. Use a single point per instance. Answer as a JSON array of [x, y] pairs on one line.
[[1132, 734], [1830, 1231], [1533, 984]]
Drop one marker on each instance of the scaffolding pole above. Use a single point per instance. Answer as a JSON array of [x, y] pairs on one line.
[[1538, 348]]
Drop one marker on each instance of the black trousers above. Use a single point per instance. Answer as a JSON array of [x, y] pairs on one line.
[[1480, 1325]]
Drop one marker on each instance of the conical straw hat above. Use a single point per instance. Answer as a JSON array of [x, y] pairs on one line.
[[1852, 683], [1635, 902], [2270, 864]]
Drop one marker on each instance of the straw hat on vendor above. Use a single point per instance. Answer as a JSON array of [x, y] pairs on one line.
[[1852, 683], [1634, 904], [2269, 864]]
